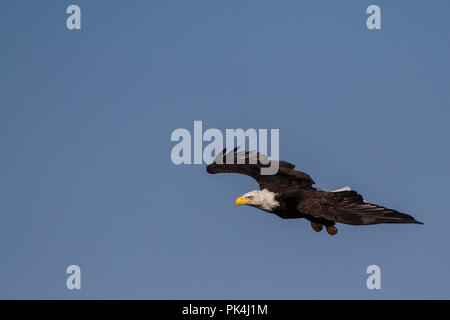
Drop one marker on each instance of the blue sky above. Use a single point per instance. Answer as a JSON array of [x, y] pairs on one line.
[[85, 124]]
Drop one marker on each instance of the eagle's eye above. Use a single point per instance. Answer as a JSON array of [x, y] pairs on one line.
[[250, 198]]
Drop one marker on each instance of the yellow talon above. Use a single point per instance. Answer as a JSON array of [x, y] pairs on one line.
[[332, 230], [317, 227]]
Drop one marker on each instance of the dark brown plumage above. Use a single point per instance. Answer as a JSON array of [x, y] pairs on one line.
[[297, 197]]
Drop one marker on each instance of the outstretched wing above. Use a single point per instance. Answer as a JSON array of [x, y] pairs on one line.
[[348, 207], [250, 164]]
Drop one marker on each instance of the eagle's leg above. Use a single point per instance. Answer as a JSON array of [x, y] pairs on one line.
[[332, 230], [317, 227]]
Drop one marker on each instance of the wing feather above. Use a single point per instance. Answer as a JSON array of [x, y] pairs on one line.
[[350, 208], [250, 163]]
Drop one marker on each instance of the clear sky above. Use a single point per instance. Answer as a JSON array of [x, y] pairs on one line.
[[86, 176]]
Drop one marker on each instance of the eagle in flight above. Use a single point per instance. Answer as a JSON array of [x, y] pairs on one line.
[[289, 194]]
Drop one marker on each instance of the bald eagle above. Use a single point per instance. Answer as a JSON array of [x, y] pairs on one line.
[[289, 194]]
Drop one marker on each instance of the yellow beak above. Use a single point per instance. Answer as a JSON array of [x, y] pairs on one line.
[[241, 200]]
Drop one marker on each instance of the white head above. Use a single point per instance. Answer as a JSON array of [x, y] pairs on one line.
[[262, 199]]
